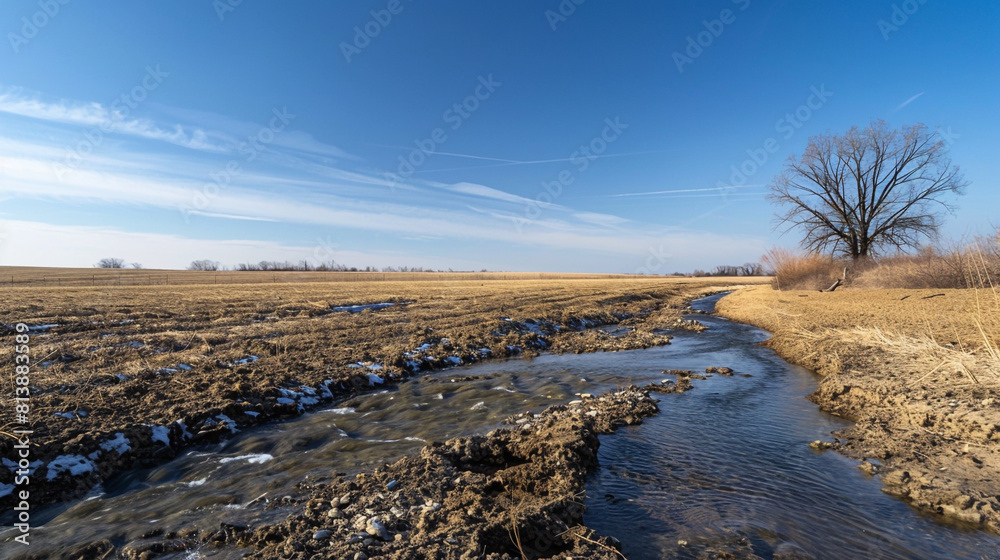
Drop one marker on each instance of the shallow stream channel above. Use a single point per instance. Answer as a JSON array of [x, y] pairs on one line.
[[726, 461]]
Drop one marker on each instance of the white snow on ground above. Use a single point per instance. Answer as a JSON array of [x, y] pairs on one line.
[[255, 458], [360, 308], [454, 360], [74, 464], [228, 422], [120, 443], [253, 413], [32, 467], [194, 483], [185, 434], [161, 434], [375, 367], [309, 401], [284, 400], [184, 367], [375, 380], [247, 360]]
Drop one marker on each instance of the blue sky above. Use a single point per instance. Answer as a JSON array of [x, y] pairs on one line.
[[543, 135]]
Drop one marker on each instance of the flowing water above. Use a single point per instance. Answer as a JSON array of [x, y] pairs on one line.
[[730, 457]]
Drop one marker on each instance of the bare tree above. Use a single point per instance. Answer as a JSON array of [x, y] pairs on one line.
[[136, 265], [869, 190], [110, 263], [204, 264]]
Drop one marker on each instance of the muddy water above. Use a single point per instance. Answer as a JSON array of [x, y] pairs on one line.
[[729, 458]]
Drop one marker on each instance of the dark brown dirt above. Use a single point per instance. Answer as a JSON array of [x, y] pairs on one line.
[[515, 491]]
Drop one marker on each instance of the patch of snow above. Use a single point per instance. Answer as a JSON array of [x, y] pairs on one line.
[[285, 400], [228, 421], [185, 434], [184, 367], [120, 443], [360, 308], [161, 434], [32, 467], [195, 483], [252, 413], [481, 405], [247, 360], [309, 401], [376, 367], [75, 465], [375, 380], [454, 360]]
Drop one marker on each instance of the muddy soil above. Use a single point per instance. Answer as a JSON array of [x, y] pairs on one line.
[[128, 377], [516, 491]]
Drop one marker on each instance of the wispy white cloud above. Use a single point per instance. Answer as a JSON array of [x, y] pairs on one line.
[[17, 101], [907, 102], [719, 191]]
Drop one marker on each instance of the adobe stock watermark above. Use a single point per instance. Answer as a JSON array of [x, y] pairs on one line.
[[30, 26], [948, 136], [118, 111], [899, 17], [455, 116], [223, 7], [562, 12], [364, 34], [249, 150], [697, 43], [656, 259], [786, 127], [580, 159]]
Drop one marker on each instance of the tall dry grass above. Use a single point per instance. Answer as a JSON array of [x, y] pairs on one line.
[[802, 271], [959, 266], [972, 266]]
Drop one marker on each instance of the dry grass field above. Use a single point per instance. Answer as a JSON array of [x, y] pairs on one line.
[[25, 276], [172, 365], [919, 373]]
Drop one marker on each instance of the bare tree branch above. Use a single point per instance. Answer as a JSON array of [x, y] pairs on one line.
[[867, 191]]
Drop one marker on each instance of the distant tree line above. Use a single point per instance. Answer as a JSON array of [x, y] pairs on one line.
[[746, 269], [207, 265], [115, 263]]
